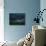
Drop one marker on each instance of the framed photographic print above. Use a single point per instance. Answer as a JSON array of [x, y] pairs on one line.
[[17, 18]]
